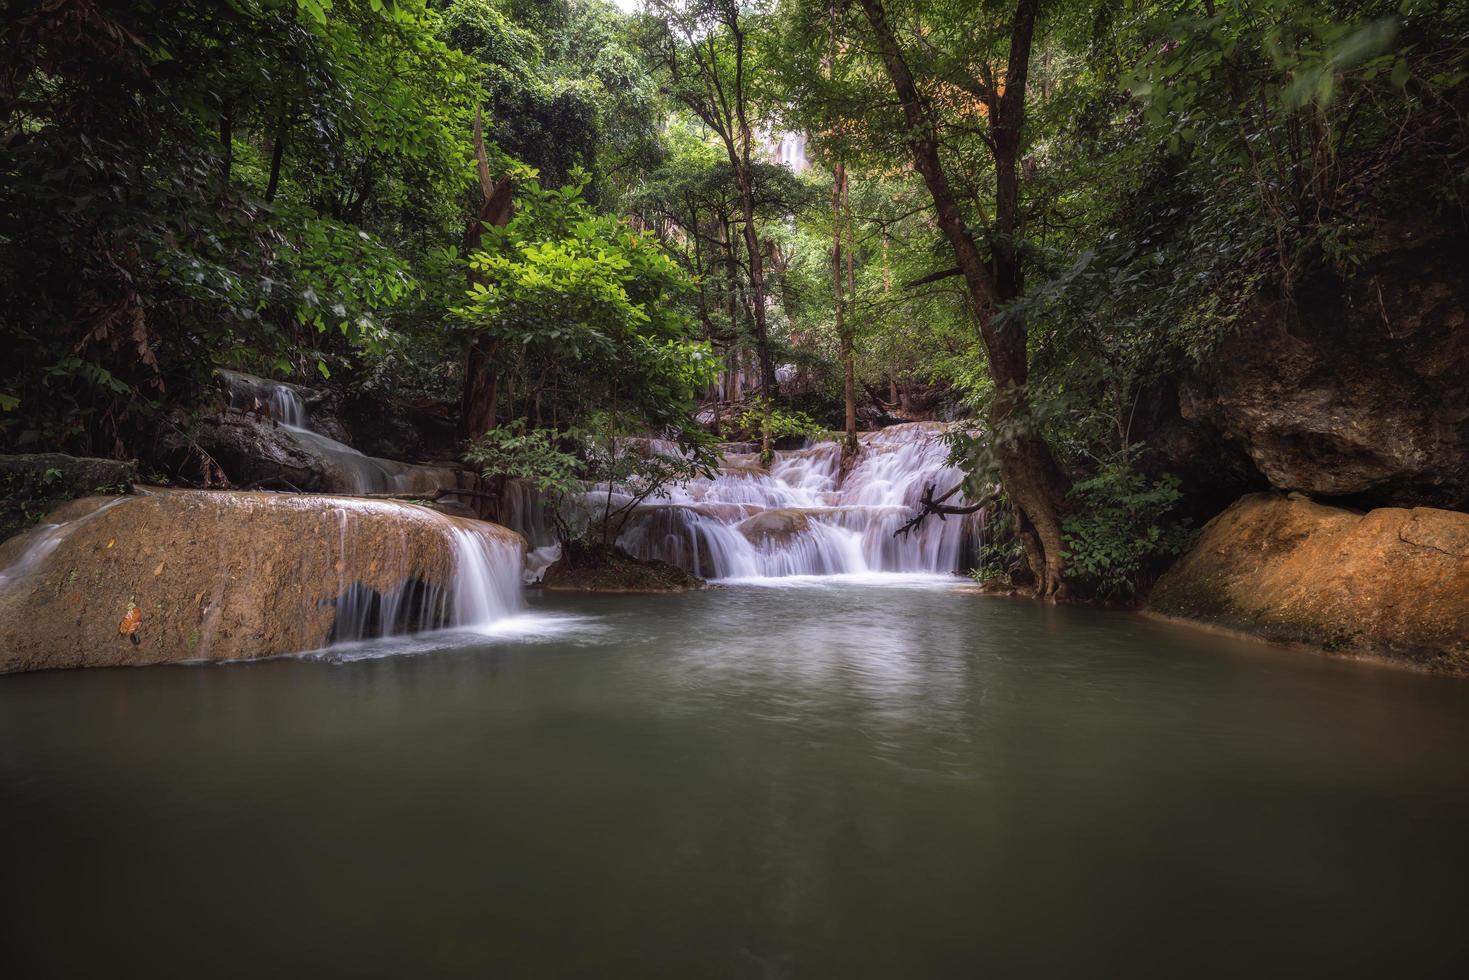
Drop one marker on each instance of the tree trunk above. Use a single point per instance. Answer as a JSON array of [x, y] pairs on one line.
[[277, 152], [757, 282], [844, 332], [1032, 479], [226, 144], [481, 380]]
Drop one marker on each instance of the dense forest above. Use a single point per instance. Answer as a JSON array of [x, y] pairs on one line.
[[545, 226]]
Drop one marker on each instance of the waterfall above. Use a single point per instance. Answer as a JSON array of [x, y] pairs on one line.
[[803, 516], [286, 406], [352, 471], [482, 587], [241, 574], [486, 579]]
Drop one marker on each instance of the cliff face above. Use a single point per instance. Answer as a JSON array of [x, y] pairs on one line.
[[1360, 388]]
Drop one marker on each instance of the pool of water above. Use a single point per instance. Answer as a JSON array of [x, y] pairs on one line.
[[826, 779]]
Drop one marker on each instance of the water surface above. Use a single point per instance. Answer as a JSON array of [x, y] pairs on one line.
[[825, 779]]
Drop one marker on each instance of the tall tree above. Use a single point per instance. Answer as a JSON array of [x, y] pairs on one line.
[[703, 47], [1032, 479]]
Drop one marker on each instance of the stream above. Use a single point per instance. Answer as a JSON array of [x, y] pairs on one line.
[[850, 776]]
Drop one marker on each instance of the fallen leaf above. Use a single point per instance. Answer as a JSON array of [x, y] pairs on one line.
[[131, 620]]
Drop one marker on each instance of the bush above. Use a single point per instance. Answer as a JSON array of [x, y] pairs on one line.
[[1121, 533]]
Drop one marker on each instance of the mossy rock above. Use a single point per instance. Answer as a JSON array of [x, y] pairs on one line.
[[33, 483], [585, 567]]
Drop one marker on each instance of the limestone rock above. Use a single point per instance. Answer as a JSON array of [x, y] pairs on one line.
[[212, 576], [1360, 389], [1393, 582]]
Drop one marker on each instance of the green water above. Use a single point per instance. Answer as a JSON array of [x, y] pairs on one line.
[[835, 781]]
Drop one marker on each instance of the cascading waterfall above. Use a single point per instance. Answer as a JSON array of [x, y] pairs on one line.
[[803, 516], [355, 471], [286, 405]]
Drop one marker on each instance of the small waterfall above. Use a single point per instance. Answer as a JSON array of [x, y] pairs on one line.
[[287, 407], [352, 471], [804, 516], [483, 588], [241, 574], [486, 579]]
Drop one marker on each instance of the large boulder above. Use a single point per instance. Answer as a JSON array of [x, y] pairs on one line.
[[1392, 582], [1355, 388], [197, 575], [776, 527]]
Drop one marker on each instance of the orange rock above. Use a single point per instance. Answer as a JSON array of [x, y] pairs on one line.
[[1392, 583]]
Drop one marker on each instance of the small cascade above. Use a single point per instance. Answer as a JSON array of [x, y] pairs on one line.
[[480, 586], [199, 575], [353, 472], [486, 578], [287, 407], [804, 516]]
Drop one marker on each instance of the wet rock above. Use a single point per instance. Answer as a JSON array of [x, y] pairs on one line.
[[196, 575], [259, 452], [33, 483], [585, 567], [1393, 582], [776, 526]]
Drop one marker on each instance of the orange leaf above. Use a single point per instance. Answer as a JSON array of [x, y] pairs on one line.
[[131, 621]]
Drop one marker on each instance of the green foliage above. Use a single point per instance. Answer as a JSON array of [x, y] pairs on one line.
[[586, 314], [776, 423], [1122, 530], [512, 451]]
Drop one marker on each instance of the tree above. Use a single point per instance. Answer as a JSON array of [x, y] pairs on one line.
[[703, 47], [1032, 478]]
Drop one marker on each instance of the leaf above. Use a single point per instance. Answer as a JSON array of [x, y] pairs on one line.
[[322, 368], [131, 620], [1400, 73]]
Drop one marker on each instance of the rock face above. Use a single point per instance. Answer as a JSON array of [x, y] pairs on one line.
[[779, 525], [33, 483], [1393, 582], [254, 451], [179, 575], [1360, 389]]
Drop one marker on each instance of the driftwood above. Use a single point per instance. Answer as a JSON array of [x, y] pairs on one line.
[[935, 505]]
